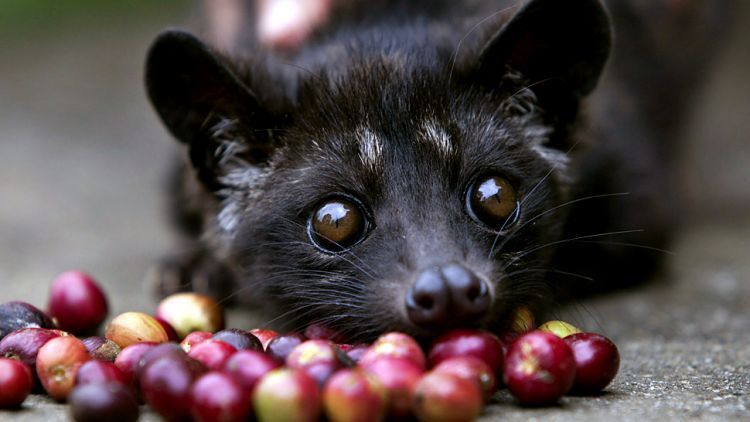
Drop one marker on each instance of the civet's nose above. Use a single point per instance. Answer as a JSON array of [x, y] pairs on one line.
[[447, 295]]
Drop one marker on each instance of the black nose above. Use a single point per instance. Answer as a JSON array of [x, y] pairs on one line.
[[448, 295]]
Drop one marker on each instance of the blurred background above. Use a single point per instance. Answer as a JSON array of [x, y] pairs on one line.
[[83, 157]]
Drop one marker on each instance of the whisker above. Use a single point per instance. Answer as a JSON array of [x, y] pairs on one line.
[[632, 245], [341, 285], [341, 256], [471, 30], [349, 251], [547, 175], [580, 309], [569, 203], [548, 270], [575, 239], [529, 86], [530, 194]]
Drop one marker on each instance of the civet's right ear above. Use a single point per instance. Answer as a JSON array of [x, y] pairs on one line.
[[560, 43], [193, 91]]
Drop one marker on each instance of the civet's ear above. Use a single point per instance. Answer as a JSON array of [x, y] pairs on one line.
[[194, 93], [560, 43]]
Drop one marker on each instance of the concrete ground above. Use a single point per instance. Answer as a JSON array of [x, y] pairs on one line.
[[82, 159]]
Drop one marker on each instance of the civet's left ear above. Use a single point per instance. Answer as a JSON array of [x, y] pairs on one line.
[[560, 43], [192, 90]]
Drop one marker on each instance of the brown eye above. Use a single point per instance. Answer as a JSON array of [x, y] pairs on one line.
[[337, 224], [492, 200]]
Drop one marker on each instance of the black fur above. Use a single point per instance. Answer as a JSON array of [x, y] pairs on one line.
[[270, 137]]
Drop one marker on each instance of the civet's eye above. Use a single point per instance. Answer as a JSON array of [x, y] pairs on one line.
[[337, 224], [492, 201]]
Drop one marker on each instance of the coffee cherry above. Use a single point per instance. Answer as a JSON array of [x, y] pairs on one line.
[[480, 344], [188, 312], [77, 302], [539, 368], [15, 383], [217, 397], [399, 377], [472, 369], [319, 358], [102, 348], [166, 382], [239, 339], [523, 320], [247, 367], [280, 347], [194, 338], [443, 396], [58, 362], [353, 396], [24, 344], [99, 372], [212, 353], [171, 333], [135, 327], [597, 361], [155, 353], [396, 345], [18, 315], [127, 360], [103, 402], [559, 328], [286, 394], [265, 336]]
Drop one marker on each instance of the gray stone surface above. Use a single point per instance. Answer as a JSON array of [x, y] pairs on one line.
[[82, 158]]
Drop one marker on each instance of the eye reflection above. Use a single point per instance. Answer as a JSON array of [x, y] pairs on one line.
[[492, 200], [490, 189], [337, 224], [332, 213]]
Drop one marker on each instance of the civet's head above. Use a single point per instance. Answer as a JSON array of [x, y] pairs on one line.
[[400, 190]]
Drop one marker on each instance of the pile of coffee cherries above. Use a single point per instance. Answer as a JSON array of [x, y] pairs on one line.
[[185, 365]]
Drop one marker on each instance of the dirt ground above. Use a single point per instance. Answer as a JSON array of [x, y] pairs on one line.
[[82, 160]]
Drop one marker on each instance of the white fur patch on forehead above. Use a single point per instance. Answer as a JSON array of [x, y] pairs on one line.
[[434, 134], [370, 149]]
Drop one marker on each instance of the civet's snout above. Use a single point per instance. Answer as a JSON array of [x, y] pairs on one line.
[[447, 295]]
